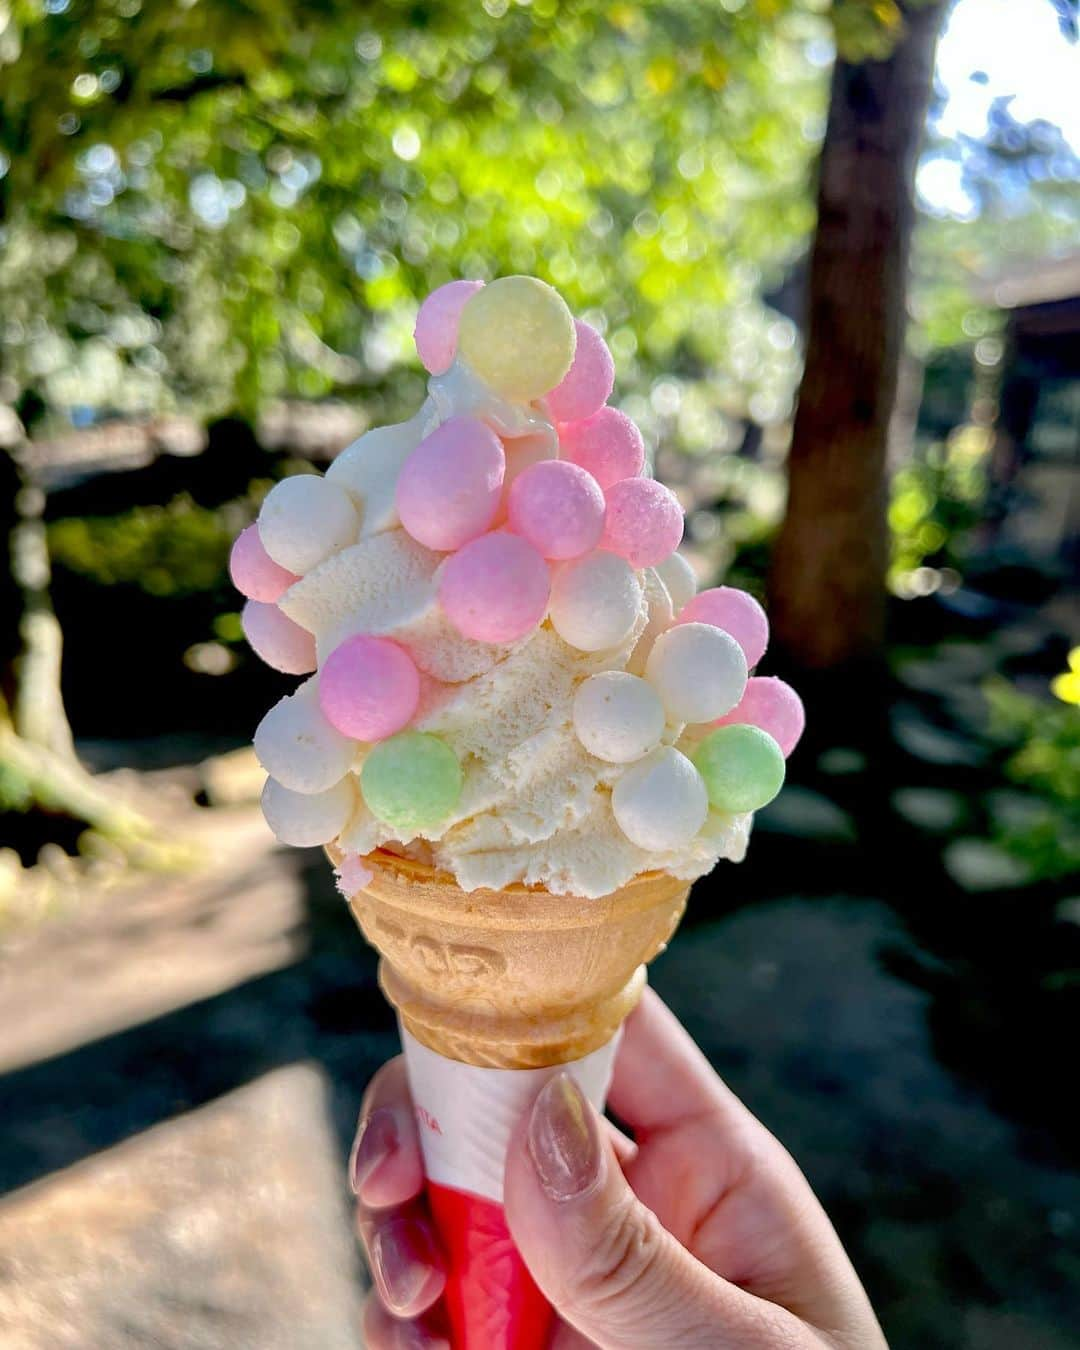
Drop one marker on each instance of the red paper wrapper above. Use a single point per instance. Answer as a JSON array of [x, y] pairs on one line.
[[465, 1116]]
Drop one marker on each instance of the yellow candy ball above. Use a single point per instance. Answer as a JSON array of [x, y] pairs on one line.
[[518, 336]]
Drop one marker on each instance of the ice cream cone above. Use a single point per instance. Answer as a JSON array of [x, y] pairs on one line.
[[516, 980], [512, 979], [504, 644]]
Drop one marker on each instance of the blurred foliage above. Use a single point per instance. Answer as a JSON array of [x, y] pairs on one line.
[[1047, 737], [936, 500], [1042, 740], [211, 206], [1021, 182], [170, 550], [216, 204], [1066, 686]]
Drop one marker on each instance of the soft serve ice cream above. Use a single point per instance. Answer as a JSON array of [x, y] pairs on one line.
[[510, 675]]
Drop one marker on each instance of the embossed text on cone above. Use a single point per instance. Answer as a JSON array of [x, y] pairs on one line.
[[510, 980], [517, 978]]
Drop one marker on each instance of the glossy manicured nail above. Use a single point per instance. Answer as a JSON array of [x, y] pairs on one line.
[[376, 1140], [564, 1143], [405, 1265]]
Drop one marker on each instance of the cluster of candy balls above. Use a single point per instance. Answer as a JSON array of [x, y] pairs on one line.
[[525, 540]]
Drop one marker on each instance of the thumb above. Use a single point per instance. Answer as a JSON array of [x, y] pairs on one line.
[[602, 1258]]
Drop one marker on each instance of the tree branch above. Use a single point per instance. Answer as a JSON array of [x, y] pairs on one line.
[[202, 84]]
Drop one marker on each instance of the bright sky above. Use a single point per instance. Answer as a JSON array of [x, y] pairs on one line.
[[1019, 47]]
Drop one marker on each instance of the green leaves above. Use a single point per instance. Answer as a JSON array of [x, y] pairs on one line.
[[171, 550], [274, 188]]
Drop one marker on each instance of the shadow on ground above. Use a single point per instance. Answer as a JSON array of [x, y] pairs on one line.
[[325, 1007], [174, 1176]]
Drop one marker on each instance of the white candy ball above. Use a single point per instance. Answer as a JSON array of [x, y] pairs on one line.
[[617, 717], [660, 803], [368, 469], [660, 618], [678, 576], [277, 639], [305, 819], [699, 672], [595, 601], [298, 747], [304, 519]]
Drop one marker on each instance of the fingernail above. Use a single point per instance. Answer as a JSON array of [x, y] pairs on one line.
[[563, 1140], [403, 1263], [376, 1140]]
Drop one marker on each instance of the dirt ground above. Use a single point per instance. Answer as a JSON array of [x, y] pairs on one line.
[[184, 1060]]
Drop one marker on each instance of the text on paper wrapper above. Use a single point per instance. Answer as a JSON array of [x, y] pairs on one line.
[[425, 1118]]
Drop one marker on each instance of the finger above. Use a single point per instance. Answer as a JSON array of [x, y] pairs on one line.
[[726, 1181], [604, 1260], [661, 1078], [403, 1254], [384, 1332], [385, 1166], [625, 1148]]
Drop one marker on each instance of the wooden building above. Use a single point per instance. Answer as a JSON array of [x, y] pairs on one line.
[[1036, 468]]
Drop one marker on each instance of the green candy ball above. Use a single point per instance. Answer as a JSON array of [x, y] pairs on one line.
[[411, 781], [743, 767]]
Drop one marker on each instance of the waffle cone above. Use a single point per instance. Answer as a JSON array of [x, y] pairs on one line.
[[517, 978]]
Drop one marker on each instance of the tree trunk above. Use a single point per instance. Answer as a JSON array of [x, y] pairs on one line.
[[827, 586], [36, 745], [38, 714], [10, 594]]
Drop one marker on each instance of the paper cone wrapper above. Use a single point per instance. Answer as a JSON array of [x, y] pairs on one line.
[[495, 991]]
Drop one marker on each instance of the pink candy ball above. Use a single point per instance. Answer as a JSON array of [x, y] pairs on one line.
[[588, 383], [369, 688], [737, 613], [495, 589], [273, 637], [607, 445], [437, 324], [558, 508], [773, 706], [254, 573], [644, 521], [448, 489]]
